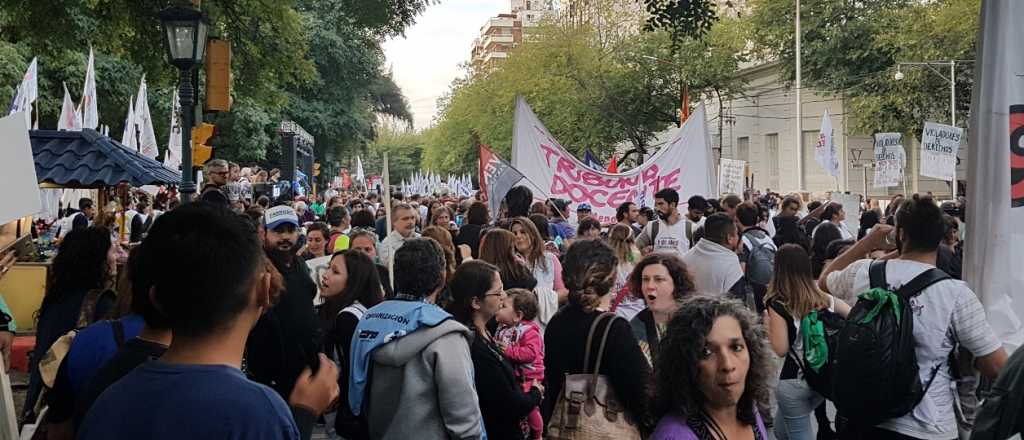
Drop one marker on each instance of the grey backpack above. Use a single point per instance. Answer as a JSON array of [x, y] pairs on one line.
[[761, 259]]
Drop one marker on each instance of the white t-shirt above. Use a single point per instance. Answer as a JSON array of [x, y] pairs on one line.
[[671, 238], [944, 313]]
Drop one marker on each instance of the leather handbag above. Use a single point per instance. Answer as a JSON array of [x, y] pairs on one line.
[[587, 407]]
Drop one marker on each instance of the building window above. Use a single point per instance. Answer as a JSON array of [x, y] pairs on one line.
[[743, 149], [528, 5], [771, 153]]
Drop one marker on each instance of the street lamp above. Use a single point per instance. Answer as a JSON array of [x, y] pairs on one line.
[[952, 92], [185, 32]]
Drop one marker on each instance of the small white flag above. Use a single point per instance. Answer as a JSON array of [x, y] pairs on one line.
[[69, 118], [128, 136], [360, 176], [90, 114], [825, 152], [28, 91], [172, 157], [144, 123]]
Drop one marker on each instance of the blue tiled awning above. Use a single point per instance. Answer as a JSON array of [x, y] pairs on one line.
[[86, 159]]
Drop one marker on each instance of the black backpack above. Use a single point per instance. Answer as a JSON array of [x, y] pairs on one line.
[[820, 379], [875, 370]]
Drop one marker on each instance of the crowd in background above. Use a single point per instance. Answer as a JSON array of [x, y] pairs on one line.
[[255, 316]]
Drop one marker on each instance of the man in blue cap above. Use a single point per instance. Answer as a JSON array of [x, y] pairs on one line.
[[284, 340]]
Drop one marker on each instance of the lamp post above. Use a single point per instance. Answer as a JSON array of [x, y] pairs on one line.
[[952, 92], [185, 32]]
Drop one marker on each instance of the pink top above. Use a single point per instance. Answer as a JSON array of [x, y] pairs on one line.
[[525, 349]]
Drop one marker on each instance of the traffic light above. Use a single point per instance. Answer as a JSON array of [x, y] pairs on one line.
[[200, 151], [218, 75], [316, 169]]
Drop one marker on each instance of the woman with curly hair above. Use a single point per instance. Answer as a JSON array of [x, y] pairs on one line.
[[590, 268], [712, 374], [661, 281]]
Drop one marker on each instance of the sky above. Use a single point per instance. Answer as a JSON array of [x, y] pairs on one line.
[[427, 58]]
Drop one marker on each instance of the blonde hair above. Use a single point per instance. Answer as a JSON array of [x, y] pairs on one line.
[[620, 238], [792, 283]]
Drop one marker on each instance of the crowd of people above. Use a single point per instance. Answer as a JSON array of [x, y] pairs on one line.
[[696, 319]]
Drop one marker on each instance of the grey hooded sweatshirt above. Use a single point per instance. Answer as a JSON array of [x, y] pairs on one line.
[[421, 387]]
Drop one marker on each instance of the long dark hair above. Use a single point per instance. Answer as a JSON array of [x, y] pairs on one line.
[[589, 272], [677, 371], [824, 234], [363, 285], [498, 248], [81, 263], [471, 280]]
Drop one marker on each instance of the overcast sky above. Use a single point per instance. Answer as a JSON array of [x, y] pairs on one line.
[[427, 59]]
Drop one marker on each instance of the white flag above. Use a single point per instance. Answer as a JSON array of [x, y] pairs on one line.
[[128, 136], [995, 174], [360, 176], [144, 123], [28, 91], [172, 157], [68, 117], [90, 114], [825, 152]]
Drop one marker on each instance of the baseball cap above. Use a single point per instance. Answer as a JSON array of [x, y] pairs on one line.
[[280, 215], [583, 207]]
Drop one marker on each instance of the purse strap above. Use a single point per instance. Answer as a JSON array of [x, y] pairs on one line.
[[590, 340], [600, 350]]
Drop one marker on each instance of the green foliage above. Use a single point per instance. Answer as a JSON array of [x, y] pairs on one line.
[[852, 48], [681, 18], [588, 94], [404, 148], [317, 62]]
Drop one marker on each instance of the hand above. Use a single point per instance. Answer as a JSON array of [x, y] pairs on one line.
[[6, 341], [819, 210], [316, 393], [877, 238], [465, 251]]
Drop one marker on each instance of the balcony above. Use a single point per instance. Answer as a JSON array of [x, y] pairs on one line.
[[488, 40]]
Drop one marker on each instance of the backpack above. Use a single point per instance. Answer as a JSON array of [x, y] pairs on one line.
[[875, 370], [761, 258], [819, 333]]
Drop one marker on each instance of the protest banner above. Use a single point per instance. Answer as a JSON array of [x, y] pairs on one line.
[[939, 145], [496, 178], [890, 159], [730, 176], [20, 191], [994, 248], [683, 164]]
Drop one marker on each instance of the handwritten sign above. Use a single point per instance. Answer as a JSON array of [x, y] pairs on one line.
[[939, 146]]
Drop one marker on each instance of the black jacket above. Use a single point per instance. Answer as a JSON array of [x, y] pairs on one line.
[[623, 362], [502, 400], [286, 338], [470, 235]]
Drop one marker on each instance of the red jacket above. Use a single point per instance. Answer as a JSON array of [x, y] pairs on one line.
[[525, 350]]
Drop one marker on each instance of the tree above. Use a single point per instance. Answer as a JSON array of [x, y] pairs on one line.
[[852, 48], [591, 91]]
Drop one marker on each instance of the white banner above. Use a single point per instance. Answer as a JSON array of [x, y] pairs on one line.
[[144, 122], [890, 159], [939, 145], [995, 176], [730, 176], [90, 114], [172, 157], [825, 152], [20, 191], [683, 164]]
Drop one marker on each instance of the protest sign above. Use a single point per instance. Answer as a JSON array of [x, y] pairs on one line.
[[20, 191], [939, 145], [684, 164], [730, 176], [890, 159]]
